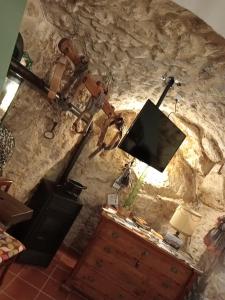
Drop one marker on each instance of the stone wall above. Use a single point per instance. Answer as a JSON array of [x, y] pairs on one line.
[[131, 44], [156, 203], [30, 114]]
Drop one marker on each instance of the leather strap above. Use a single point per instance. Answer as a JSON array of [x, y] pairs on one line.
[[95, 88], [93, 106], [66, 47], [99, 100], [75, 126], [102, 146], [113, 144], [55, 82], [108, 109], [117, 121]]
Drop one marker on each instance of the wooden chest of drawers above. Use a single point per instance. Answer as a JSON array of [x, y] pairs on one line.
[[121, 265]]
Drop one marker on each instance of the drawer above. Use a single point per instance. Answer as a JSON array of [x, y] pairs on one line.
[[127, 242], [164, 286], [154, 295], [133, 275], [97, 287], [126, 275], [116, 252], [129, 248], [165, 265]]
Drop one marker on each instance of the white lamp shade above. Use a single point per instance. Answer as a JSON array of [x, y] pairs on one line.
[[185, 220]]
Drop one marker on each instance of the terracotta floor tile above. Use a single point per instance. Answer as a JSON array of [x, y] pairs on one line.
[[16, 268], [4, 296], [75, 296], [49, 269], [63, 248], [58, 255], [54, 290], [67, 262], [7, 279], [33, 276], [68, 252], [19, 288], [66, 258], [59, 274], [42, 296]]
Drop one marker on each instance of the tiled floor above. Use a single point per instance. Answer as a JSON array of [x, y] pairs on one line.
[[24, 282]]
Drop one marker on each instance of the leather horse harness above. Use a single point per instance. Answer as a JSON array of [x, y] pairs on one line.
[[99, 99]]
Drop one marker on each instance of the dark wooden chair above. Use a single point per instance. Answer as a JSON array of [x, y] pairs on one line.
[[12, 210]]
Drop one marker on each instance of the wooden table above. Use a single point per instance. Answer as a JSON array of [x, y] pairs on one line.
[[13, 211]]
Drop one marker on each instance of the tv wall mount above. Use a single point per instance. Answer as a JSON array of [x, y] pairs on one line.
[[170, 81]]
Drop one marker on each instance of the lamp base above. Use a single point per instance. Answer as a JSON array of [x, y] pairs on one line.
[[173, 240]]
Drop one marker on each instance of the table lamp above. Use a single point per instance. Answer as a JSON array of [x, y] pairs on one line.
[[184, 220]]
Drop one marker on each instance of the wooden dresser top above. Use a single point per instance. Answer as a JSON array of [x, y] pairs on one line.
[[152, 241]]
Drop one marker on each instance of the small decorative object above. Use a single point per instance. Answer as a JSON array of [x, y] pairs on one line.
[[184, 221], [211, 262], [50, 134], [124, 212], [215, 238], [140, 222], [124, 179], [112, 200]]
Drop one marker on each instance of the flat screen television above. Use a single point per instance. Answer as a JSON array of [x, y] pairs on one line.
[[152, 138]]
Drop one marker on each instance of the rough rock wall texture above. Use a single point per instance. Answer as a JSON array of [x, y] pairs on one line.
[[134, 44], [30, 115], [130, 43]]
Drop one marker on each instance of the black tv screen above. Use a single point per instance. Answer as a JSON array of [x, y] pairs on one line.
[[153, 138]]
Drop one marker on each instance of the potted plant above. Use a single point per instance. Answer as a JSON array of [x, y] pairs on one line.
[[126, 208]]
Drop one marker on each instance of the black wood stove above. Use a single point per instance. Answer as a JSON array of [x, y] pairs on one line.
[[55, 209], [56, 206]]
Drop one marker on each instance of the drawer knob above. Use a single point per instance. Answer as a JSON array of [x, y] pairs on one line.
[[174, 269], [137, 264], [107, 249], [99, 263], [90, 278], [115, 235], [145, 253], [166, 285]]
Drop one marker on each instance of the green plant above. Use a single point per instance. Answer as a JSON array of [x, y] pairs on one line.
[[129, 201]]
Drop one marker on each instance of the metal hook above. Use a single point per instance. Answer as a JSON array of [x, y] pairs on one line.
[[49, 134]]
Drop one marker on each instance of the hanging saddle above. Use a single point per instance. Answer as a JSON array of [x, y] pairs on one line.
[[98, 100]]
